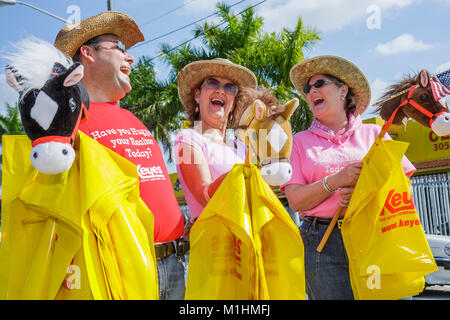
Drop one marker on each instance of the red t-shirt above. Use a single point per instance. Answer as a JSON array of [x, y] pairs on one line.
[[119, 130]]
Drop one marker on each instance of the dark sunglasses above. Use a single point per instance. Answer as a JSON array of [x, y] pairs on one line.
[[229, 88], [318, 84], [119, 44]]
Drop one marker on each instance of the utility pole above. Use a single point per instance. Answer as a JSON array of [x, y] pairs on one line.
[[109, 5]]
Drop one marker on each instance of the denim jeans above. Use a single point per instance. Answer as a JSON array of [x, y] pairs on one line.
[[171, 278], [326, 273]]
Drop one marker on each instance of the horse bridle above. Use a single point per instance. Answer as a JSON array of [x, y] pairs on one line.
[[61, 139], [414, 104]]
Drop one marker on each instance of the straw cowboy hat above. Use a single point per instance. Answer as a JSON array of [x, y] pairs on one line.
[[193, 74], [71, 37], [337, 67]]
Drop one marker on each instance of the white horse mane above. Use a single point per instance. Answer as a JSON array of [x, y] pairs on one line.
[[33, 60]]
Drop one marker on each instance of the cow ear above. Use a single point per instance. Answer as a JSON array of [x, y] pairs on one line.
[[424, 78], [12, 80], [290, 107], [74, 76], [259, 110]]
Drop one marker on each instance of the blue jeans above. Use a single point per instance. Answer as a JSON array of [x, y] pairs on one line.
[[326, 273], [171, 278]]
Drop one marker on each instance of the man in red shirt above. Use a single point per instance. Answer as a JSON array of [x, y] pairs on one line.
[[100, 44]]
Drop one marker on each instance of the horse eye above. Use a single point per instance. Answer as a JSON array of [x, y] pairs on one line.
[[424, 97], [72, 104]]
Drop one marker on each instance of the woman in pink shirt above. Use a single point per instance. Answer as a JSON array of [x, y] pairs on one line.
[[326, 163], [204, 154]]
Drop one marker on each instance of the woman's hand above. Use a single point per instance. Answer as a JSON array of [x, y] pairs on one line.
[[347, 177], [213, 186], [346, 194], [345, 181], [306, 197]]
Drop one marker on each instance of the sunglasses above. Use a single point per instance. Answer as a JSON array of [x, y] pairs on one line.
[[119, 44], [318, 84], [229, 88]]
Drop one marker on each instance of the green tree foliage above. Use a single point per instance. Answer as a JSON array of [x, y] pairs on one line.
[[269, 55], [11, 123], [238, 38], [155, 103]]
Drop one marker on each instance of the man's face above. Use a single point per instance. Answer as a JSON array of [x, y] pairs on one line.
[[112, 66]]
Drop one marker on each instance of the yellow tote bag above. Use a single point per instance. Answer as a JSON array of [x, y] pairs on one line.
[[80, 234], [38, 243], [385, 242], [244, 244]]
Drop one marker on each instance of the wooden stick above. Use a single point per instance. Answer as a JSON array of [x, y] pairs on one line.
[[329, 230], [391, 97]]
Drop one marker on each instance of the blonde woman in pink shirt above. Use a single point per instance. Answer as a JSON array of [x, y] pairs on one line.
[[204, 154], [326, 163]]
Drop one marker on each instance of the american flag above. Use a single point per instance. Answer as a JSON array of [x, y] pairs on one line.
[[440, 85]]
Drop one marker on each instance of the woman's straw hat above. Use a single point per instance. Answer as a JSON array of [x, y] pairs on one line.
[[71, 37], [337, 67], [193, 74]]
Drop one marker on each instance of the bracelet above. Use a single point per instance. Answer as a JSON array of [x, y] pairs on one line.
[[206, 194], [326, 186]]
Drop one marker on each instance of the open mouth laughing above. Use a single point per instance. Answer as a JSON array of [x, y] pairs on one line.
[[317, 101], [126, 70], [218, 102]]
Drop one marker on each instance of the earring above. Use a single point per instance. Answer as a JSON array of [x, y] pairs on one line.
[[342, 97], [196, 109]]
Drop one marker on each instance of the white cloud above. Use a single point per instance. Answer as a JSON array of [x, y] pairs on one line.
[[7, 94], [403, 43], [323, 15], [442, 67], [378, 87]]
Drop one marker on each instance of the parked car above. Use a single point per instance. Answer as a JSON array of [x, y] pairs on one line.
[[440, 247]]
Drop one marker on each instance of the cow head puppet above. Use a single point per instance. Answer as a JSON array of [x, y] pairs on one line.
[[52, 102]]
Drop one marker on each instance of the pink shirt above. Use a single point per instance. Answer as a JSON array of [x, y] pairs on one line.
[[220, 158], [318, 152]]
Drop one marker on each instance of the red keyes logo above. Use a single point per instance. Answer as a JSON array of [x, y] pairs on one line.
[[398, 201], [154, 172]]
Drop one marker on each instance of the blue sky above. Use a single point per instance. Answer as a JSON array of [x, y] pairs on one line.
[[385, 38]]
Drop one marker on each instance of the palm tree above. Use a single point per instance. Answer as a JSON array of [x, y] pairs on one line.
[[10, 124], [238, 38], [155, 103], [269, 55]]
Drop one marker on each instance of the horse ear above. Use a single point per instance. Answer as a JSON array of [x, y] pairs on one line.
[[424, 78], [74, 76], [12, 80], [259, 110], [290, 107]]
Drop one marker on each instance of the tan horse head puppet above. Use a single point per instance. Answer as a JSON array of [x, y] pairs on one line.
[[264, 127]]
